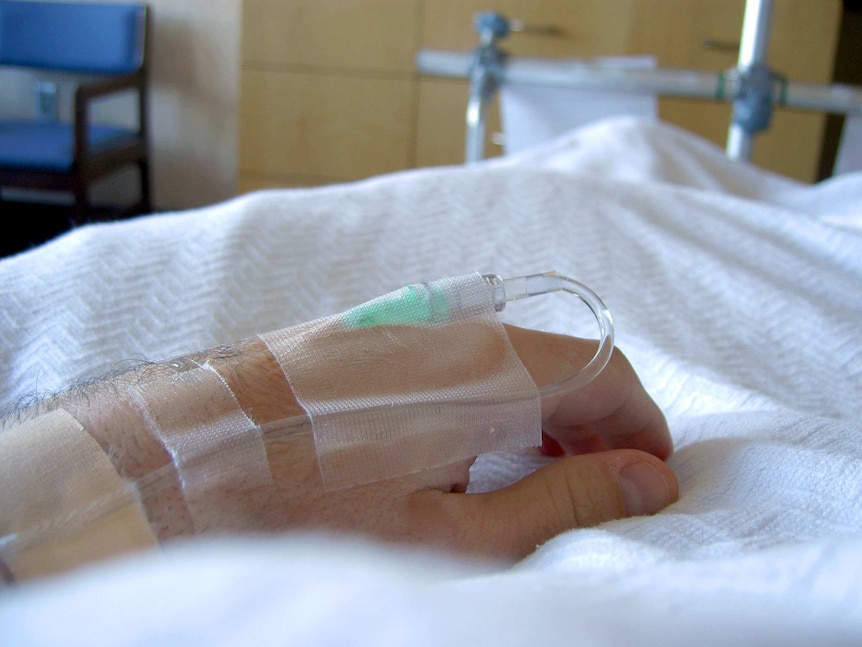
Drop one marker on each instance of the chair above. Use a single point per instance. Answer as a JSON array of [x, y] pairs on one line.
[[105, 47]]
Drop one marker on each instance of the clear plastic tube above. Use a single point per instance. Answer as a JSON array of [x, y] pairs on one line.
[[506, 290], [522, 287]]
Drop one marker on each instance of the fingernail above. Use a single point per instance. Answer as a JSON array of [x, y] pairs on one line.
[[644, 489]]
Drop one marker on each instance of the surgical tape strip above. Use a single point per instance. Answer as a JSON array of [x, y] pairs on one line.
[[62, 502], [416, 379], [217, 450]]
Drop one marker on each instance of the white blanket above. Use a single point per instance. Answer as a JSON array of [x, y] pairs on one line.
[[736, 295]]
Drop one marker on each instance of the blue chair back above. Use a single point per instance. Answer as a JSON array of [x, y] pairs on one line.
[[73, 37]]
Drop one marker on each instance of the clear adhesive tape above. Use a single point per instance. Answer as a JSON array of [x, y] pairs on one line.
[[217, 450], [62, 502], [366, 429], [416, 379]]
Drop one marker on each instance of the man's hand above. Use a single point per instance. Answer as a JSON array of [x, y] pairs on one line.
[[610, 435]]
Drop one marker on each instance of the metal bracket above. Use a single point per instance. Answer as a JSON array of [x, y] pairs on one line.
[[753, 107], [45, 97], [485, 71]]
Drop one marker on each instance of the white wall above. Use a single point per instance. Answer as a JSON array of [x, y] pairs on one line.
[[194, 99]]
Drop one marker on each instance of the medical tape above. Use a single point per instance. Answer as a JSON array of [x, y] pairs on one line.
[[62, 502], [217, 450], [416, 379]]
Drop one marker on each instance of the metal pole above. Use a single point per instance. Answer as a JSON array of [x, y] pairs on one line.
[[477, 107], [752, 56], [484, 73], [724, 86]]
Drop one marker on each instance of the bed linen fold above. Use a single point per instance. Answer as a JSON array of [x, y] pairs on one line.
[[735, 294]]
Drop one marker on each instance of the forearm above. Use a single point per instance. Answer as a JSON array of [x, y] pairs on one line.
[[111, 411], [108, 413], [116, 413], [115, 420]]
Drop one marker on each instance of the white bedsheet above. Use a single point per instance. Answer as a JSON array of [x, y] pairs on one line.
[[736, 295]]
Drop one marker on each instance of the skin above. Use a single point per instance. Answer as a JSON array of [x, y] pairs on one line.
[[610, 438], [602, 430]]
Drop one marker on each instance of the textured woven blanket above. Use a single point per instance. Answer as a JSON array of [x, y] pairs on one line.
[[735, 294]]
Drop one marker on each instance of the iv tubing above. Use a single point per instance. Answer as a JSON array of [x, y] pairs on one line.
[[505, 290], [522, 287]]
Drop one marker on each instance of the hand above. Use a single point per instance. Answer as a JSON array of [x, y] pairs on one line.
[[611, 437]]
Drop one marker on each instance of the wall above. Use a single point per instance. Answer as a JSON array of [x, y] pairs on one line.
[[195, 98], [195, 70]]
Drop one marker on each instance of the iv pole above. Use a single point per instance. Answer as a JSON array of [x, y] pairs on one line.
[[752, 87], [752, 109]]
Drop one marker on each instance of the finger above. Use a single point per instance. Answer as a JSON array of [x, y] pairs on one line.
[[571, 440], [617, 407], [614, 405], [449, 478], [574, 492]]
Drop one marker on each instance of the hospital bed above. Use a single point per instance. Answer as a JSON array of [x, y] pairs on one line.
[[735, 295]]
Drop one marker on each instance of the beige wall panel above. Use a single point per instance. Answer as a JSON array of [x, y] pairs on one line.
[[802, 35], [352, 34], [442, 129], [790, 147], [340, 127], [692, 34], [346, 109], [195, 101], [804, 39], [793, 145], [246, 184]]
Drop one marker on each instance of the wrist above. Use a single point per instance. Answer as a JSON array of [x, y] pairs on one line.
[[138, 452]]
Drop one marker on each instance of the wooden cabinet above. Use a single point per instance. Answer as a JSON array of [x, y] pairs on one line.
[[319, 127], [329, 89]]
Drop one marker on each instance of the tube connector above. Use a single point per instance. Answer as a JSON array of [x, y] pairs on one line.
[[522, 287]]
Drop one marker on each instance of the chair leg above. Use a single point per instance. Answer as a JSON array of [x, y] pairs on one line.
[[80, 206], [146, 197]]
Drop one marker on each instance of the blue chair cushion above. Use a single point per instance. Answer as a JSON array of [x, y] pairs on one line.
[[50, 146], [76, 37]]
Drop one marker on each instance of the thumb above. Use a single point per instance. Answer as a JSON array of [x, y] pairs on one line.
[[574, 492]]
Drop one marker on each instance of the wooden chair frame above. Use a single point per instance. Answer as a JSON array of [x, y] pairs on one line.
[[89, 166]]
